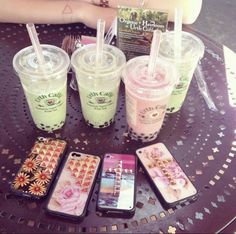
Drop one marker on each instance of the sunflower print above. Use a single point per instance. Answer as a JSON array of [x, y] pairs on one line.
[[21, 180], [29, 165], [37, 189], [42, 177]]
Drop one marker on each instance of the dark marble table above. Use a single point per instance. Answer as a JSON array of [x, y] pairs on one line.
[[203, 142]]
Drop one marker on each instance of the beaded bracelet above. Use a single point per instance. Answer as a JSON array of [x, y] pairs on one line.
[[104, 3], [101, 3]]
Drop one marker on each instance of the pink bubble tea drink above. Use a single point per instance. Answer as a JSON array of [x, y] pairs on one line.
[[147, 97]]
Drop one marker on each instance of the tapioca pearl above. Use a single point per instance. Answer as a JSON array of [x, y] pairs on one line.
[[170, 109], [88, 123], [130, 129], [151, 137], [134, 138]]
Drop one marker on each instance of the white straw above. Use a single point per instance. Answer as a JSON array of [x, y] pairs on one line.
[[156, 39], [100, 40], [35, 42], [178, 31]]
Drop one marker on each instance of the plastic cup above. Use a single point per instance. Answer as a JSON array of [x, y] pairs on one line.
[[98, 83], [147, 97], [191, 51], [45, 89]]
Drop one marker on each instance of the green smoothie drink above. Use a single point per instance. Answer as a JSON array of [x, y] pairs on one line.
[[98, 83], [192, 50], [45, 89]]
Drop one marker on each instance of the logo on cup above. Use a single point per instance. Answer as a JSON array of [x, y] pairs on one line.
[[152, 114], [101, 100], [50, 102]]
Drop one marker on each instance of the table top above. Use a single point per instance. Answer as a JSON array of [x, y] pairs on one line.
[[202, 141]]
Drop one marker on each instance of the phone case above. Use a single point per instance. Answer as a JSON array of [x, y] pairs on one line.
[[38, 170], [74, 186], [167, 176], [118, 184]]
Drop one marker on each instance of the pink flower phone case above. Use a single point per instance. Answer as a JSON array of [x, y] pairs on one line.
[[37, 171], [117, 186], [73, 188], [167, 176]]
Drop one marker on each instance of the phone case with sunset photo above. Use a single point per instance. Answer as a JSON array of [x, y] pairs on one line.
[[117, 189]]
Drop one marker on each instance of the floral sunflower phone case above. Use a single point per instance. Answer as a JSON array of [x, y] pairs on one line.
[[74, 185], [38, 169], [118, 184], [167, 176]]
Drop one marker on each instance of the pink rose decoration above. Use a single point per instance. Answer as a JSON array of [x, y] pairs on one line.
[[71, 199], [158, 176]]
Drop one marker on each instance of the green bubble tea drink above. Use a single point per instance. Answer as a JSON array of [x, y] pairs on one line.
[[45, 89], [147, 97], [192, 50], [98, 83]]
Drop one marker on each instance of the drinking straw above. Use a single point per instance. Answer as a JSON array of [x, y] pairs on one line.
[[202, 85], [100, 40], [35, 43], [156, 39], [178, 31]]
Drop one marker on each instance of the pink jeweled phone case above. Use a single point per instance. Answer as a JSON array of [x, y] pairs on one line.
[[72, 191], [166, 174]]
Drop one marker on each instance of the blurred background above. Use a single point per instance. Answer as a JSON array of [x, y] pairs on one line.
[[218, 21]]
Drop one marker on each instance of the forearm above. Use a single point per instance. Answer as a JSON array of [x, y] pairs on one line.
[[41, 11], [191, 8], [93, 13]]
